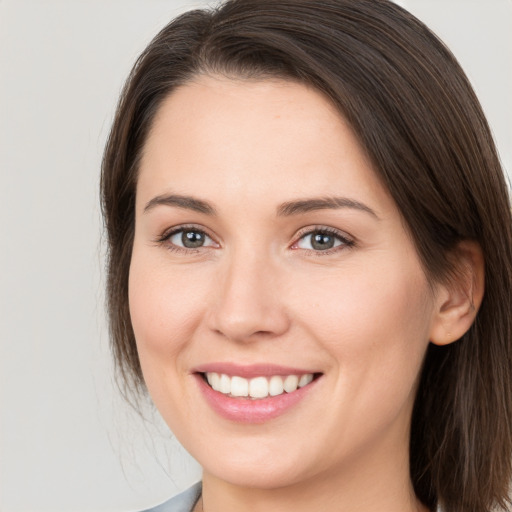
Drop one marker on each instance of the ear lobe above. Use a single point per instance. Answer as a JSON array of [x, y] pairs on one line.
[[458, 300]]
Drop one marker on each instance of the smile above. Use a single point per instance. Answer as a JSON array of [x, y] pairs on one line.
[[257, 387], [254, 393]]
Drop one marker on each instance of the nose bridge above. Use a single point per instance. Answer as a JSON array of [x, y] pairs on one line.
[[248, 305]]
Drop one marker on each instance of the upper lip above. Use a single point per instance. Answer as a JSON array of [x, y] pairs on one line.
[[250, 370]]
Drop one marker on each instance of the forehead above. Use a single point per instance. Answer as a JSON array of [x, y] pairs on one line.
[[224, 138]]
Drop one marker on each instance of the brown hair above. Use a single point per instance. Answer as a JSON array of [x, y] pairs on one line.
[[419, 121]]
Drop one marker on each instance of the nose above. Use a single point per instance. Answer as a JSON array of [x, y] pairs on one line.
[[248, 304]]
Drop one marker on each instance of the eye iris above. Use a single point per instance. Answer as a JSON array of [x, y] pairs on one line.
[[322, 241], [192, 239]]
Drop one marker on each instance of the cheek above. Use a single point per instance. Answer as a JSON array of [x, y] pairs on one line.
[[374, 321], [165, 309], [360, 298], [374, 325]]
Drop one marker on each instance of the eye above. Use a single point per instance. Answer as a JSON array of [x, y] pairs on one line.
[[189, 238], [322, 240]]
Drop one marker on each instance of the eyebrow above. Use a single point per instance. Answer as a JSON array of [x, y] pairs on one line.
[[179, 201], [322, 203], [287, 209]]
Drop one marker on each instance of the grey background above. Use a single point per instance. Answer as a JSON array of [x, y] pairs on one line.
[[68, 442]]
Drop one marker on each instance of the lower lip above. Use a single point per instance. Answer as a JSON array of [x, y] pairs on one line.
[[246, 410]]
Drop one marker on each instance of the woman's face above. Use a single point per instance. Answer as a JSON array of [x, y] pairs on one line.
[[267, 252]]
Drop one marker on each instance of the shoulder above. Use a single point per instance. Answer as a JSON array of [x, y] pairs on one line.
[[183, 502]]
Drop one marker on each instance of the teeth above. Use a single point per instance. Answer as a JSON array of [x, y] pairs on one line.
[[275, 386], [214, 380], [239, 386], [305, 380], [290, 383], [258, 387], [224, 384]]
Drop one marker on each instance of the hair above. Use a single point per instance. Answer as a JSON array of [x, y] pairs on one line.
[[417, 118]]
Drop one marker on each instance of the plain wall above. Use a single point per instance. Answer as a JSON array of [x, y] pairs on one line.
[[68, 442]]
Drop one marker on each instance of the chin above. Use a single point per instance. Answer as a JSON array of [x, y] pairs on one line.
[[264, 477], [260, 465]]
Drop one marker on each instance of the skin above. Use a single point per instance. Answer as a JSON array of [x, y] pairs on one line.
[[361, 314]]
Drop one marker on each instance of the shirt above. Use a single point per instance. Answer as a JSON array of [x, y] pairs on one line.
[[183, 502]]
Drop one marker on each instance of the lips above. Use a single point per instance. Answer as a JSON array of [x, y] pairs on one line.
[[255, 393]]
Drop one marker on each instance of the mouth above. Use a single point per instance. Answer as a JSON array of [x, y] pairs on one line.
[[254, 393], [257, 388]]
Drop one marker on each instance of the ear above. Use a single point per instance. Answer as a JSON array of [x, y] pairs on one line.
[[458, 300]]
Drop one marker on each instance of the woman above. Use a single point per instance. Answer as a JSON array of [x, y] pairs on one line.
[[304, 206]]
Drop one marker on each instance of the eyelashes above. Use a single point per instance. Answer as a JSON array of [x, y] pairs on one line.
[[318, 240], [322, 240], [190, 238], [186, 239]]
